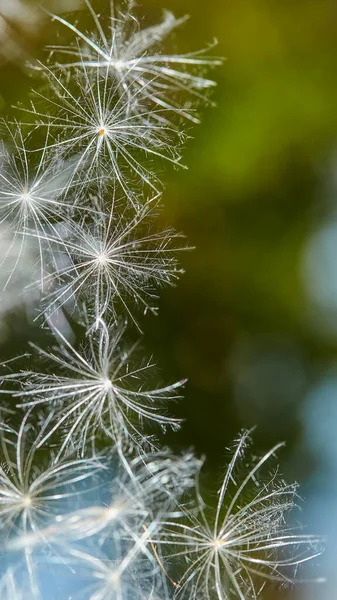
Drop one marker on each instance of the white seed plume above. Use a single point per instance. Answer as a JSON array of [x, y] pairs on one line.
[[89, 120], [96, 390], [75, 522], [129, 571], [29, 493], [246, 542], [108, 545], [133, 59], [31, 190], [9, 588], [114, 264], [19, 266], [136, 491]]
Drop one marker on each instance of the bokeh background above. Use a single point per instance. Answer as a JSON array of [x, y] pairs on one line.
[[253, 322]]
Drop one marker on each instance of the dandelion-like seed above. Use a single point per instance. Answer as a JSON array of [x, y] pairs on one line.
[[29, 494], [31, 186], [113, 264], [9, 589], [246, 542], [141, 490], [129, 571], [90, 121], [78, 522], [133, 59], [105, 547], [97, 390], [17, 270]]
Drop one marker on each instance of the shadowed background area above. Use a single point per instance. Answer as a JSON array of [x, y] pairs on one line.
[[252, 323]]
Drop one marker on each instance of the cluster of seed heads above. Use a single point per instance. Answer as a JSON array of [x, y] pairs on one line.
[[90, 507]]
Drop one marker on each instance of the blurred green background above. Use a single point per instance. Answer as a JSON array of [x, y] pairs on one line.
[[252, 324]]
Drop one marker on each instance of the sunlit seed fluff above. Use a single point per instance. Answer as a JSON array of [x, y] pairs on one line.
[[80, 400], [129, 571], [134, 60], [132, 493], [92, 124], [110, 527], [245, 542], [30, 492], [19, 266], [104, 541], [114, 263], [31, 188], [9, 588]]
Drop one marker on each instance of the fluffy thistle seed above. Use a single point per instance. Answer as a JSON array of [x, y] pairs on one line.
[[112, 110], [133, 59], [89, 122], [114, 264], [246, 541], [28, 493], [31, 196], [81, 399]]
